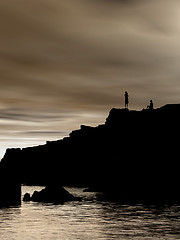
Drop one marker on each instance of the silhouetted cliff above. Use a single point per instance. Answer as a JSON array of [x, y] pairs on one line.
[[10, 185], [134, 156]]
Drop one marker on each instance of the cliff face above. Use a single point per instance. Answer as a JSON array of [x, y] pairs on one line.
[[10, 186], [135, 154]]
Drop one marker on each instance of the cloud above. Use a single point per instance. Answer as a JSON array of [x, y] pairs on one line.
[[51, 49], [31, 115]]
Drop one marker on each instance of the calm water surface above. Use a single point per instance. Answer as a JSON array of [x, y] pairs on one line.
[[91, 218]]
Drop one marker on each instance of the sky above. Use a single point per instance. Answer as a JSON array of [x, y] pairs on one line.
[[64, 63]]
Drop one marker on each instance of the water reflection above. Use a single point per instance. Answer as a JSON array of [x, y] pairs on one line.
[[92, 218], [142, 222]]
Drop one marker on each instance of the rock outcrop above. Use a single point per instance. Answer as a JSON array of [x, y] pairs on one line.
[[10, 189], [133, 156], [51, 194], [27, 197], [10, 184]]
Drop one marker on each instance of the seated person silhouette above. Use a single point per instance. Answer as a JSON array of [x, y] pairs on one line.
[[150, 105]]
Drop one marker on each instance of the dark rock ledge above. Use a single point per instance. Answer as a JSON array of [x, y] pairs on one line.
[[51, 194]]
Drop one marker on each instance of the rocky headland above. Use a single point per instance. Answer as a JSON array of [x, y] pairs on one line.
[[133, 157]]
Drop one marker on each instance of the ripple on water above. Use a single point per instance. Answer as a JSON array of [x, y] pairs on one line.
[[89, 219]]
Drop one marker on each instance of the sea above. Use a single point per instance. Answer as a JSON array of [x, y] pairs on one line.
[[93, 218]]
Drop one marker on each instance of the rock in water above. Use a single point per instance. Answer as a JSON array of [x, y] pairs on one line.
[[10, 187], [53, 194], [26, 197], [10, 194]]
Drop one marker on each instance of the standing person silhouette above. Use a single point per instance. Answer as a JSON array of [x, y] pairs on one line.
[[126, 99], [151, 105]]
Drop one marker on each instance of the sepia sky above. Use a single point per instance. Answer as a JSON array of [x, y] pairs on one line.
[[64, 63]]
